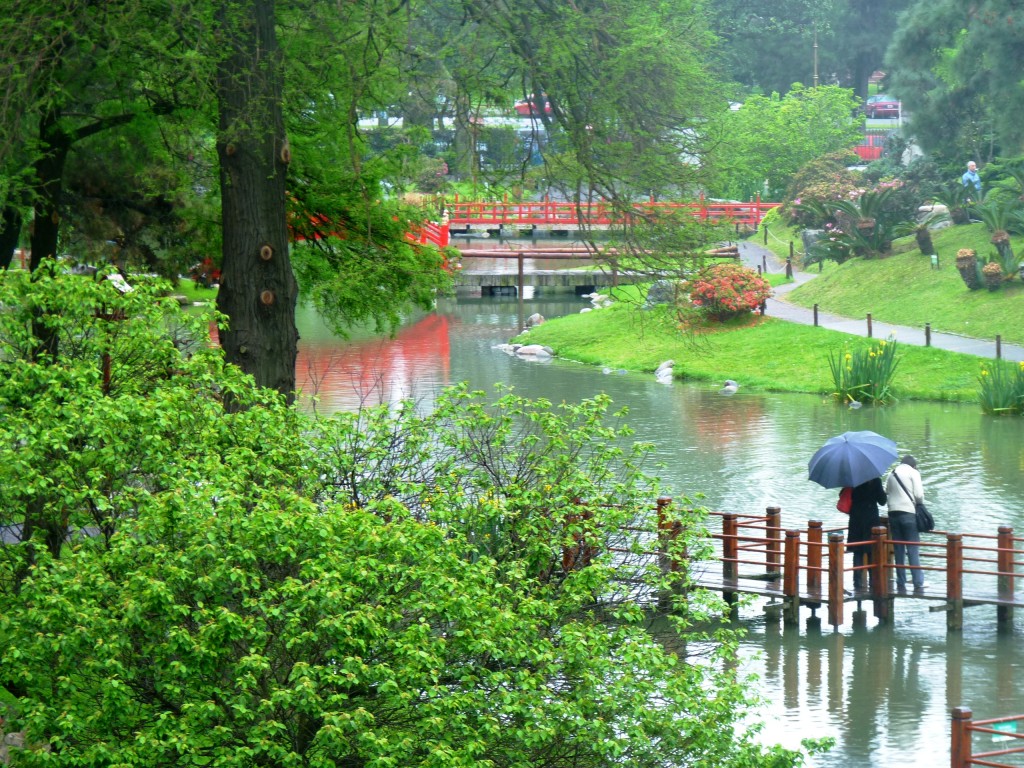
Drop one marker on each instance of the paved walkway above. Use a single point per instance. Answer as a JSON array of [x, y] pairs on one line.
[[754, 255]]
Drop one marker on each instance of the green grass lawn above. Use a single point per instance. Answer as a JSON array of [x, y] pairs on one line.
[[766, 354], [903, 289]]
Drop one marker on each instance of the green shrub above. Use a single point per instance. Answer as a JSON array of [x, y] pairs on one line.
[[864, 375], [1002, 388]]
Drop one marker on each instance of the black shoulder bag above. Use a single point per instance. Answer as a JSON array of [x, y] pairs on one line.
[[925, 521]]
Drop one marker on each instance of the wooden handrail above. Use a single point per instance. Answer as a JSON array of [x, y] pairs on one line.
[[962, 754]]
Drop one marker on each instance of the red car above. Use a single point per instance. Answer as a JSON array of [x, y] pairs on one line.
[[881, 105], [529, 108]]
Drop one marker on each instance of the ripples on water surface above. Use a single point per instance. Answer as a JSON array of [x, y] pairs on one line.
[[884, 693]]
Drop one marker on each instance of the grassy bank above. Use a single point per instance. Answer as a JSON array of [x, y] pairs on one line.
[[766, 354], [905, 290]]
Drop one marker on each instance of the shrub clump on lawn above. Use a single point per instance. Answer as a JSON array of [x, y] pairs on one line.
[[864, 375], [1002, 389], [724, 291]]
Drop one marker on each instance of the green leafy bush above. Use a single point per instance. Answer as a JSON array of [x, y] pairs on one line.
[[864, 375], [723, 291], [258, 587], [1002, 388]]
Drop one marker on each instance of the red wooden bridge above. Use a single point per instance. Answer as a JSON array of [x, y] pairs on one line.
[[560, 215], [551, 213]]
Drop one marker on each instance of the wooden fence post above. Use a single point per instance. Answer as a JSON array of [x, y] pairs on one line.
[[668, 553], [836, 553], [791, 580], [960, 742], [869, 325], [879, 575], [730, 553], [954, 581], [773, 539], [1004, 564], [814, 532]]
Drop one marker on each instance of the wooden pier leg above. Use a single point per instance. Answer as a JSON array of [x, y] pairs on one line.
[[836, 553], [1004, 558], [960, 747], [791, 580], [773, 539], [879, 573], [954, 582], [730, 555]]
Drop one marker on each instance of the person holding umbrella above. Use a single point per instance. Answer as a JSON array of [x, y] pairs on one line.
[[856, 460], [863, 517]]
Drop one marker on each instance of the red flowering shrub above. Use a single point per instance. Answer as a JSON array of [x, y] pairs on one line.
[[728, 290]]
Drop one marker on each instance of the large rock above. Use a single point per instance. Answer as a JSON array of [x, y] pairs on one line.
[[662, 292], [534, 350], [534, 320], [810, 237]]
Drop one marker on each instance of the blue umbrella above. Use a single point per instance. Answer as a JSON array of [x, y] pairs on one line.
[[851, 458]]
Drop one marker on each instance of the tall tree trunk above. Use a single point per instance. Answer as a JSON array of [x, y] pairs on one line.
[[10, 232], [49, 188], [257, 289]]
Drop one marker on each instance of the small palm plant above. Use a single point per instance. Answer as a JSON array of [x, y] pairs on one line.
[[864, 221], [969, 268], [922, 229], [999, 215], [957, 201]]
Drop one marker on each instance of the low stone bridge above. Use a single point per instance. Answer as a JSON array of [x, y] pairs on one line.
[[549, 278]]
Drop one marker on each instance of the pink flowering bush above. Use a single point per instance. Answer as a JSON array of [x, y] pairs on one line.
[[723, 291]]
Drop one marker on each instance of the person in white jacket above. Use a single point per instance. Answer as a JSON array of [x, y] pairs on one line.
[[903, 520]]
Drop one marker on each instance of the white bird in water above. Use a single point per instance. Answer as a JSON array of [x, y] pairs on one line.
[[729, 388]]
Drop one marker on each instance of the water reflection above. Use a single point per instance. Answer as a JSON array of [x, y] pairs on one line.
[[885, 694]]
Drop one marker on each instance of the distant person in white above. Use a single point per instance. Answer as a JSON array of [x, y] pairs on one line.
[[903, 520]]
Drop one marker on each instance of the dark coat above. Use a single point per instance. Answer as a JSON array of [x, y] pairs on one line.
[[864, 513]]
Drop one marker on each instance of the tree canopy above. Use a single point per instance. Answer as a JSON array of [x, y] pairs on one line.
[[767, 140], [951, 66]]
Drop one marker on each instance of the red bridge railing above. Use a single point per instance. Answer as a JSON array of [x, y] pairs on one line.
[[553, 213]]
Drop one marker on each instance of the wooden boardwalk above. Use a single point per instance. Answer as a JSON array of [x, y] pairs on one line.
[[755, 555]]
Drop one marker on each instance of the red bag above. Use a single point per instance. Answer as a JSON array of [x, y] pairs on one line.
[[845, 502]]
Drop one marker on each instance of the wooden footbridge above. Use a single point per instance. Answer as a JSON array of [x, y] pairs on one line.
[[806, 567]]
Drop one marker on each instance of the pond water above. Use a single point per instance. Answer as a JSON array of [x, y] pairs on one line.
[[885, 693]]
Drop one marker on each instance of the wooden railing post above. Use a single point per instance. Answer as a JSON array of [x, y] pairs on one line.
[[836, 553], [954, 581], [814, 532], [730, 554], [669, 556], [791, 580], [960, 742], [879, 575], [1004, 564], [773, 539]]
